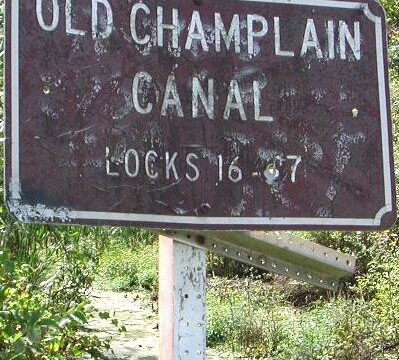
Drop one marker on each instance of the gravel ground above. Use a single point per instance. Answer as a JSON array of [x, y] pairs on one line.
[[140, 341]]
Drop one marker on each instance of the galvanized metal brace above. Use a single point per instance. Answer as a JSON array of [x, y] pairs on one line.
[[183, 277], [281, 253]]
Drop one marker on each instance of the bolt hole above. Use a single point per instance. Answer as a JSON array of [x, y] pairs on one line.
[[271, 169], [186, 296], [348, 262], [46, 89], [200, 239], [337, 259], [204, 209]]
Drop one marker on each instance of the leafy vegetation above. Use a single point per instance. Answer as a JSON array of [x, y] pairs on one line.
[[32, 324], [43, 288], [391, 8], [127, 266], [46, 274], [281, 319]]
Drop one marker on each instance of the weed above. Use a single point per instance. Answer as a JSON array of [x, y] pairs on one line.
[[122, 267]]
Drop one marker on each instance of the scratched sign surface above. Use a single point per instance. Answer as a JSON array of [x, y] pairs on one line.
[[222, 114]]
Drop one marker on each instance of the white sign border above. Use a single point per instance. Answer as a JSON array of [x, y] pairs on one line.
[[40, 212]]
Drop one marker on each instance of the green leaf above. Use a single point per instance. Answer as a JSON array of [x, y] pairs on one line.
[[104, 315], [17, 336], [20, 346], [122, 329], [55, 346], [34, 335], [79, 317], [64, 323], [34, 317], [49, 322]]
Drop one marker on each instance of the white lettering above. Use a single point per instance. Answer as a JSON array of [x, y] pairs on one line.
[[257, 98], [94, 14], [133, 18], [297, 159], [353, 41], [196, 32], [108, 163], [150, 158], [277, 40], [234, 95], [331, 40], [170, 165], [134, 153], [310, 40], [234, 32], [39, 15], [139, 79], [198, 93], [251, 19], [235, 173], [220, 167], [189, 162], [68, 20], [171, 90], [174, 27]]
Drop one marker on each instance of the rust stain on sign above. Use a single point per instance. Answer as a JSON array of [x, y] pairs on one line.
[[232, 114]]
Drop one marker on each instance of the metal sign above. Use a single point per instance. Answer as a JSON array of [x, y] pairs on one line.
[[226, 114]]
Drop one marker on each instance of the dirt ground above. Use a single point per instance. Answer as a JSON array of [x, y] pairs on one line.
[[140, 341]]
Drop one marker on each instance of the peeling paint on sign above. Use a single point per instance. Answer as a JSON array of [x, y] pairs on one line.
[[39, 213], [233, 114]]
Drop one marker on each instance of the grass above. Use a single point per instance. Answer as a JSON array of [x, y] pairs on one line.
[[49, 268], [122, 268]]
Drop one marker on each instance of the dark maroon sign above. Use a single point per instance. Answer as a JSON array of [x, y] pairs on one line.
[[222, 114]]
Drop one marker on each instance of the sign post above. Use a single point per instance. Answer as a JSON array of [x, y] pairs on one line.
[[182, 277], [182, 283], [207, 116]]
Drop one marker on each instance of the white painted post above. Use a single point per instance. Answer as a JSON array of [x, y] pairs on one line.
[[182, 288]]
